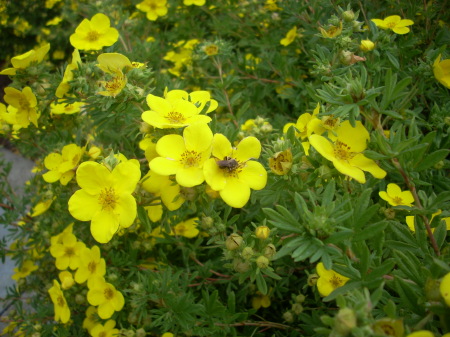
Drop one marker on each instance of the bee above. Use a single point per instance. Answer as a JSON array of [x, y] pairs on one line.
[[228, 164]]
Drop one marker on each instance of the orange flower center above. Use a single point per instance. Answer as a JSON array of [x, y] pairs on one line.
[[342, 151], [108, 293], [108, 198], [175, 117], [92, 267], [190, 158], [397, 200], [329, 122], [93, 36], [60, 301]]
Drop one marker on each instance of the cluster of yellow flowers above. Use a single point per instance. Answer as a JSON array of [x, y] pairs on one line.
[[80, 264]]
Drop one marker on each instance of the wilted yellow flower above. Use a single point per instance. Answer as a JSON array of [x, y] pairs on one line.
[[290, 37], [394, 23], [331, 31], [26, 269], [441, 70], [23, 61], [41, 207], [281, 162]]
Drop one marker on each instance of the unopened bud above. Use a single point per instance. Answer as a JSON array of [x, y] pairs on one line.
[[344, 321], [366, 45], [288, 317], [270, 251], [262, 262], [300, 298], [247, 253], [262, 232], [312, 279], [297, 308], [389, 213], [141, 333], [234, 241], [207, 222], [348, 16], [241, 266], [94, 152]]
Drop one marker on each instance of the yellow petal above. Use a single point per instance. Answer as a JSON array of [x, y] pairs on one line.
[[254, 175], [83, 206], [104, 225], [248, 148], [236, 193]]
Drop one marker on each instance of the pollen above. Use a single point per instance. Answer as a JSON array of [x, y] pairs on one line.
[[93, 36], [336, 281], [69, 251], [190, 158], [175, 117], [108, 198], [92, 267], [108, 293], [61, 302], [342, 151], [398, 200]]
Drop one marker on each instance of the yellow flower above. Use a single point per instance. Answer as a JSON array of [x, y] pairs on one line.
[[153, 8], [41, 207], [441, 70], [64, 87], [23, 61], [262, 232], [62, 311], [200, 98], [105, 197], [194, 2], [94, 34], [114, 85], [184, 156], [260, 300], [26, 269], [367, 45], [66, 279], [281, 162], [421, 333], [251, 61], [62, 166], [106, 330], [106, 297], [346, 151], [67, 253], [91, 265], [65, 108], [232, 172], [167, 334], [112, 62], [25, 104], [444, 288], [91, 319], [332, 31], [187, 228], [396, 197], [328, 280], [394, 23], [172, 113], [303, 126], [290, 37]]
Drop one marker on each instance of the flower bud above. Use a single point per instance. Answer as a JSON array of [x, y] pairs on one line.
[[234, 241], [262, 262], [241, 266], [348, 16], [297, 308], [389, 213], [141, 333], [262, 232], [344, 321], [207, 222], [439, 165], [247, 253], [300, 298], [366, 45], [270, 251], [288, 317], [94, 152], [80, 299], [312, 279]]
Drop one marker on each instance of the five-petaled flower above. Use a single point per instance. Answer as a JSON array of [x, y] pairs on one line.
[[441, 70], [94, 34], [184, 156], [105, 197], [232, 172], [328, 280], [394, 23], [62, 311], [106, 297], [345, 152], [396, 197]]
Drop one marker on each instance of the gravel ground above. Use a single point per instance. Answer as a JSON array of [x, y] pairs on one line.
[[20, 172]]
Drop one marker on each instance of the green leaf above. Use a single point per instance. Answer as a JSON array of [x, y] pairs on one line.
[[432, 159], [261, 284], [328, 194], [409, 295], [393, 60], [289, 247], [408, 263], [289, 225], [370, 231]]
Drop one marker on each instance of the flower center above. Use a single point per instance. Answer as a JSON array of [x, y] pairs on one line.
[[92, 267], [92, 36], [329, 122], [397, 200], [190, 158], [211, 50], [107, 198], [175, 117], [24, 270], [69, 251], [23, 103], [60, 301], [102, 334], [336, 281], [342, 151], [388, 330], [391, 24], [108, 293]]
